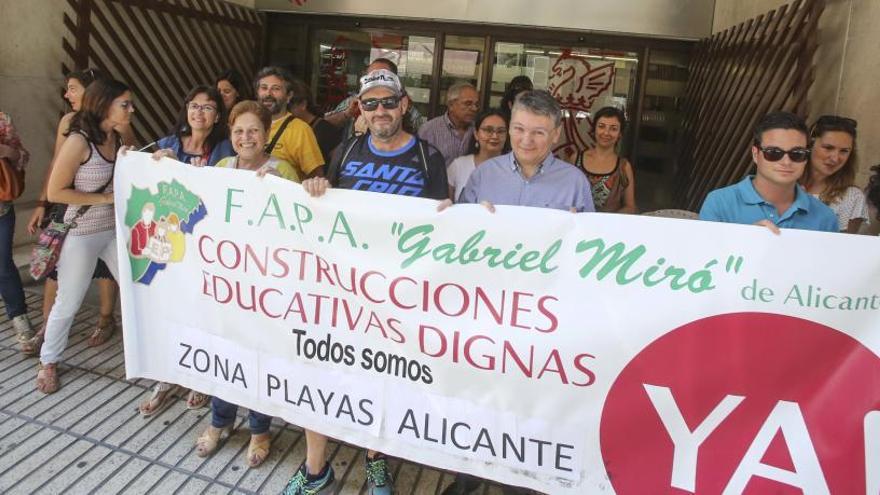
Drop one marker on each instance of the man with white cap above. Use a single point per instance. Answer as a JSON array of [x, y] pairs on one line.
[[389, 160]]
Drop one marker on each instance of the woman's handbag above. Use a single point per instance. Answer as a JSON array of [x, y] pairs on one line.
[[11, 181], [48, 248], [46, 252]]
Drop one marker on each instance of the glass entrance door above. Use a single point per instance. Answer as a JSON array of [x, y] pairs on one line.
[[582, 79], [341, 57], [462, 62]]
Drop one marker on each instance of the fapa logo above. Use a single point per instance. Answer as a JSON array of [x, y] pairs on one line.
[[158, 223]]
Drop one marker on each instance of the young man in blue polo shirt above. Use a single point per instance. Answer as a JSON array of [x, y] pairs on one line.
[[772, 197]]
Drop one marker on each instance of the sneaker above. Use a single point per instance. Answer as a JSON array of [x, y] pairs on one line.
[[379, 480], [24, 333], [301, 484]]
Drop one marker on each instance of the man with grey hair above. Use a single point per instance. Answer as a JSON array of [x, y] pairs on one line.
[[530, 175], [527, 176], [451, 132]]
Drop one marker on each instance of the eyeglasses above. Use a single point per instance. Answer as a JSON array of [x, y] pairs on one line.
[[774, 154], [388, 103], [497, 131], [469, 103], [195, 107]]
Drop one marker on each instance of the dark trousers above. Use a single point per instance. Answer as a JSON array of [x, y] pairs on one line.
[[10, 281], [223, 414]]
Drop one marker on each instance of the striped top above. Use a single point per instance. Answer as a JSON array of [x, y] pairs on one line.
[[91, 176]]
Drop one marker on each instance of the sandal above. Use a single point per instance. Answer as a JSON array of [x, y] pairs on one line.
[[197, 400], [104, 330], [208, 441], [258, 449], [47, 378], [34, 344], [161, 397], [26, 344], [24, 334]]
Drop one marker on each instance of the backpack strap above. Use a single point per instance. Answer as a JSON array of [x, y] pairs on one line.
[[422, 155], [345, 157], [424, 158], [277, 136]]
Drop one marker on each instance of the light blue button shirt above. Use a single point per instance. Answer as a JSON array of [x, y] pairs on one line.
[[556, 184], [741, 203]]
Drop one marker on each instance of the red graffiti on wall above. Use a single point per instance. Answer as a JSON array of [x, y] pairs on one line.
[[577, 86]]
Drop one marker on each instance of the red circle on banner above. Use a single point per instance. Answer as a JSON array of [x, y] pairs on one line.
[[798, 380]]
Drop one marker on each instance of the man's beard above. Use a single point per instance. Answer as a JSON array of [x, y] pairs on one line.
[[276, 107], [387, 132]]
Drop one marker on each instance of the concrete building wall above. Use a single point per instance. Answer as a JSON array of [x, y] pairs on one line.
[[848, 67], [677, 19], [31, 82], [30, 85]]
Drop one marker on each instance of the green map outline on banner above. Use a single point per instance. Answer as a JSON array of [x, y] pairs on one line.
[[170, 199]]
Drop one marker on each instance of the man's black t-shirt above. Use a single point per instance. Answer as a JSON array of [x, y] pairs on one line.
[[402, 172]]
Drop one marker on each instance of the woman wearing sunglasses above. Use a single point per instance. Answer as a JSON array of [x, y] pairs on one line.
[[76, 84], [82, 177], [832, 171]]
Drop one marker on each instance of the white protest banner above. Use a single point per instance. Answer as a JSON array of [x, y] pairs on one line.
[[567, 353]]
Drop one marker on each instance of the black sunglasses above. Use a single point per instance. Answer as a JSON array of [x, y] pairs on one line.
[[774, 154], [388, 103]]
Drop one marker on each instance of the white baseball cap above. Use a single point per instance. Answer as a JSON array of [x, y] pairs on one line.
[[381, 78]]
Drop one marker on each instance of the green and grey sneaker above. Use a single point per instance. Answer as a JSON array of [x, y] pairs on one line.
[[379, 480], [303, 484]]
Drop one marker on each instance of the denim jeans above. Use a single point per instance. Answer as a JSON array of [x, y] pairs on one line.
[[223, 414], [10, 281]]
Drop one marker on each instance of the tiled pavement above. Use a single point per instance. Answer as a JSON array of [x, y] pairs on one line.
[[89, 438]]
